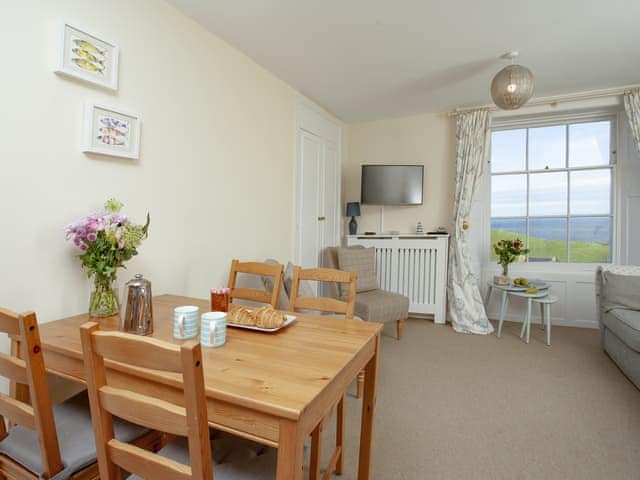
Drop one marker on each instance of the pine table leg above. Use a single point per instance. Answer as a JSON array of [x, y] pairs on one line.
[[368, 415], [290, 445]]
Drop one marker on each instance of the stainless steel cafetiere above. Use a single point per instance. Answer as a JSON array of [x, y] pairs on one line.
[[138, 307]]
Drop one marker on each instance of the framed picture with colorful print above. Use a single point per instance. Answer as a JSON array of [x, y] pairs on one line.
[[86, 56], [111, 131]]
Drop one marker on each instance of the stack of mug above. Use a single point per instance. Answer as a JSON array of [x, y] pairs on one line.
[[213, 326]]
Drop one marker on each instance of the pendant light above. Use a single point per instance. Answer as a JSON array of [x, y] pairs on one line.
[[512, 86]]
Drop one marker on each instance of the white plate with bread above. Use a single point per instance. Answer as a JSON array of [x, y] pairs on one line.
[[264, 319]]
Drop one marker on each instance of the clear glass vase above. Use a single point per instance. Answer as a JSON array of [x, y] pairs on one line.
[[104, 297], [505, 269]]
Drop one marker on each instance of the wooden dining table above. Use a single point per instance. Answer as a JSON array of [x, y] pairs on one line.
[[273, 388]]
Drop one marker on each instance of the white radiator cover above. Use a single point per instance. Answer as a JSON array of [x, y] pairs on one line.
[[415, 266]]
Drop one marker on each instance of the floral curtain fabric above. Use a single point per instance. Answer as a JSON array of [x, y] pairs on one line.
[[465, 307], [632, 107]]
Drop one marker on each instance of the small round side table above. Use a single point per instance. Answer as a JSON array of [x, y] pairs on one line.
[[545, 314]]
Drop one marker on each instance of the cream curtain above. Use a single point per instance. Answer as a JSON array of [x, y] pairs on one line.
[[465, 307], [632, 107]]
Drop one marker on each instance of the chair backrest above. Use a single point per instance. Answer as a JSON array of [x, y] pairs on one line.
[[324, 304], [189, 421], [252, 294], [30, 371]]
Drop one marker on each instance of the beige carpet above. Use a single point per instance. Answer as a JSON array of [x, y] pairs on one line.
[[453, 406]]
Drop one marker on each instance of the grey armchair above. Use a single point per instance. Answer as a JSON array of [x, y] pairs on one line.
[[372, 304]]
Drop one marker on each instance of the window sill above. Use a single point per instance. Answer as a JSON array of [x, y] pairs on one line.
[[552, 268]]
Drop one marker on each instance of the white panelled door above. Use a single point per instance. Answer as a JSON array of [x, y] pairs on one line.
[[310, 233], [318, 187]]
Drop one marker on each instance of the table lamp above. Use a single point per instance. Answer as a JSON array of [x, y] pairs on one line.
[[353, 211]]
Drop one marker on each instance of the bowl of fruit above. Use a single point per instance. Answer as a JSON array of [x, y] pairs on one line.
[[529, 286]]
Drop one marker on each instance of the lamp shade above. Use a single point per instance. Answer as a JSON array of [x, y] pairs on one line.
[[353, 209], [512, 87]]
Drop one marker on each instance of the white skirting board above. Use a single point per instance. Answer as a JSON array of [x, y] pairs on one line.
[[415, 266]]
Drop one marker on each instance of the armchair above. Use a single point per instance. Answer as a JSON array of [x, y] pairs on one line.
[[372, 304]]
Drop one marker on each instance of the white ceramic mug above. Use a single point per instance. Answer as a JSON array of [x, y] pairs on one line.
[[213, 329], [185, 322]]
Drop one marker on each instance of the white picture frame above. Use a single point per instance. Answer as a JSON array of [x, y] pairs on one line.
[[86, 56], [111, 131]]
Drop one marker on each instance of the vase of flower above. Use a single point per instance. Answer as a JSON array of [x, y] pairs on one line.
[[104, 297], [107, 239], [507, 251]]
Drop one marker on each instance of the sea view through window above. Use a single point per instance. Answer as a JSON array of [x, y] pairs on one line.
[[552, 186]]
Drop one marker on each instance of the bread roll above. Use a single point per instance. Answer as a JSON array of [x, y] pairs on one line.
[[267, 317], [241, 316]]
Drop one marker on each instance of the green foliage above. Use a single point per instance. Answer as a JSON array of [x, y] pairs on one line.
[[112, 205]]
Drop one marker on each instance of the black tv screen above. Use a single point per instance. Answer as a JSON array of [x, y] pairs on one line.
[[391, 184]]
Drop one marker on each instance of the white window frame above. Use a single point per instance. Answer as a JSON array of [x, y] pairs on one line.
[[533, 121]]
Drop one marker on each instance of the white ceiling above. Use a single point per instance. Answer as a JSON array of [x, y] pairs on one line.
[[369, 59]]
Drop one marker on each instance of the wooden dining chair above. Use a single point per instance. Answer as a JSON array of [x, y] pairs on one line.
[[45, 441], [254, 294], [331, 305], [324, 304], [180, 459]]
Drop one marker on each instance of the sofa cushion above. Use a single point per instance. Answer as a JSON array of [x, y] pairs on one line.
[[626, 358], [363, 261], [620, 290], [381, 306], [75, 437], [268, 282], [625, 324]]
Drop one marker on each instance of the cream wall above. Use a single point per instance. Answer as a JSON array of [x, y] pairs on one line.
[[423, 139], [216, 170]]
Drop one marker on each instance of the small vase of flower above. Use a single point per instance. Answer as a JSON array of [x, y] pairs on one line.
[[508, 252], [107, 239]]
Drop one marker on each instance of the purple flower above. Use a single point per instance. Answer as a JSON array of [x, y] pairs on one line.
[[83, 246], [119, 219], [92, 237]]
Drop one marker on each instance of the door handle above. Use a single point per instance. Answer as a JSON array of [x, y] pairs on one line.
[[321, 219]]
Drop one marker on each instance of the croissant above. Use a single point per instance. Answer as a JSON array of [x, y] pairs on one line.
[[267, 317], [241, 316]]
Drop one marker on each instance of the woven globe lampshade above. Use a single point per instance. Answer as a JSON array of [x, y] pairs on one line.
[[512, 87]]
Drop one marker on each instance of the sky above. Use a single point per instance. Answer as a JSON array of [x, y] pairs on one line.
[[588, 145]]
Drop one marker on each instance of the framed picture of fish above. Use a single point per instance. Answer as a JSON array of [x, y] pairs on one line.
[[111, 131], [87, 56]]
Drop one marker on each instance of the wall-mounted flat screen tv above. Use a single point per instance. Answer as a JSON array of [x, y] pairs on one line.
[[392, 184]]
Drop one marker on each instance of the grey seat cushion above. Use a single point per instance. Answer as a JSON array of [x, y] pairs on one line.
[[75, 437], [234, 458], [381, 306], [625, 323], [269, 282]]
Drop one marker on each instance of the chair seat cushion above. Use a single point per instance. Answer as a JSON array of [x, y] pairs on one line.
[[381, 306], [234, 458], [75, 437], [625, 324]]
